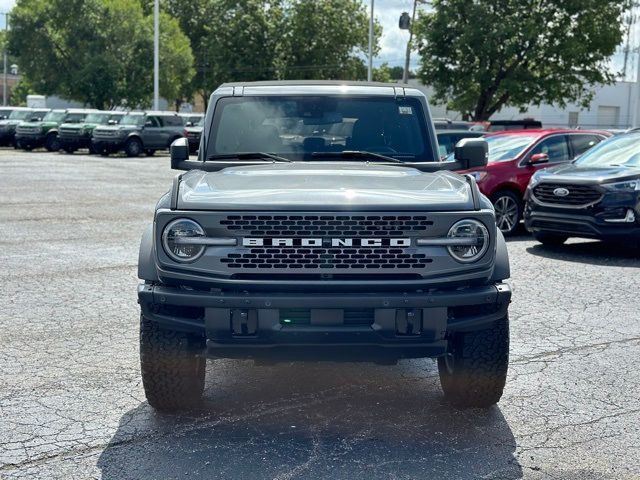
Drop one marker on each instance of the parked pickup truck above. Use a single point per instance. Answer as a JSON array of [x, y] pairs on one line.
[[317, 223]]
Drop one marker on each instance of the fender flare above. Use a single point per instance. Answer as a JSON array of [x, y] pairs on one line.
[[146, 257], [501, 269]]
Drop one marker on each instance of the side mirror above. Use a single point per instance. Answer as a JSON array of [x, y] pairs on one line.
[[188, 124], [471, 153], [179, 152], [538, 158], [148, 123], [112, 122]]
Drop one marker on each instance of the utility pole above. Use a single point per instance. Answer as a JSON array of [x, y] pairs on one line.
[[156, 54], [370, 69], [636, 103], [407, 58], [4, 76]]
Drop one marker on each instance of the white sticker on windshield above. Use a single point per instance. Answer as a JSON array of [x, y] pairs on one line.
[[404, 110]]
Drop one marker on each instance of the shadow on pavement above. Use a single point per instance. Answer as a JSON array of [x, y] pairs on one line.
[[314, 421], [591, 252]]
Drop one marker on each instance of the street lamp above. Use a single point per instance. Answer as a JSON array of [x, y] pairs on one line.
[[156, 54], [4, 76], [370, 67]]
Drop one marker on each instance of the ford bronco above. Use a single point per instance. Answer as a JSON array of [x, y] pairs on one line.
[[318, 223]]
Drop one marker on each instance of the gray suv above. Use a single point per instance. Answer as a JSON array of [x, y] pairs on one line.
[[318, 223], [137, 133]]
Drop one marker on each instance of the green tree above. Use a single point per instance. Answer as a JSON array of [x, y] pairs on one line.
[[277, 39], [326, 39], [96, 51], [482, 55]]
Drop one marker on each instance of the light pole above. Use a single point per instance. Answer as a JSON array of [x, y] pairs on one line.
[[370, 69], [4, 76], [156, 54]]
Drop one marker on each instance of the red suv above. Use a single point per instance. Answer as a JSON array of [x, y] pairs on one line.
[[515, 155]]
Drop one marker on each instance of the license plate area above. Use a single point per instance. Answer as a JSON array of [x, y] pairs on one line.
[[326, 316]]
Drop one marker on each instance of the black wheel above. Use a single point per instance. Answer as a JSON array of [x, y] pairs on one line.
[[104, 152], [133, 147], [474, 371], [52, 143], [69, 149], [508, 207], [149, 152], [550, 239], [173, 367]]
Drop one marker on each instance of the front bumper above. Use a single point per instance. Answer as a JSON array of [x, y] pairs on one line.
[[7, 137], [75, 141], [590, 222], [111, 144], [396, 325], [30, 139]]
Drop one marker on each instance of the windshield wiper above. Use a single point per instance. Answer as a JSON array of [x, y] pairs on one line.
[[248, 156], [357, 154]]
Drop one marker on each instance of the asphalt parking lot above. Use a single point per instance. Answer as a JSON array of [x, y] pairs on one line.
[[71, 399]]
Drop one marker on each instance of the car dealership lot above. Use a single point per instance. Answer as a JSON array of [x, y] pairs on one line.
[[71, 400]]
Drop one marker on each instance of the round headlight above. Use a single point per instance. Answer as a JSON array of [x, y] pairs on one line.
[[475, 237], [176, 240]]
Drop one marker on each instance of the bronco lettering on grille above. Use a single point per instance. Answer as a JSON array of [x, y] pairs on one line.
[[322, 242]]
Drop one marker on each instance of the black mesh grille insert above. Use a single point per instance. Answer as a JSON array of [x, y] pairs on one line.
[[327, 225], [578, 194], [379, 258]]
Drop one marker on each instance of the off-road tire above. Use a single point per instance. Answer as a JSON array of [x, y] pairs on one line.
[[133, 147], [51, 142], [474, 372], [550, 239], [173, 367]]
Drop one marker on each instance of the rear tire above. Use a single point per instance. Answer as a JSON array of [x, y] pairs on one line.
[[550, 239], [52, 143], [173, 367], [508, 208], [474, 371], [133, 147]]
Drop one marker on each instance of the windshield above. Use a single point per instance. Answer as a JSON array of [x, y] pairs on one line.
[[132, 120], [54, 117], [507, 147], [97, 118], [295, 127], [622, 150], [20, 114]]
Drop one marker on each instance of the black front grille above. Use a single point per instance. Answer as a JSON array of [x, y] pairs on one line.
[[326, 258], [578, 194], [327, 225]]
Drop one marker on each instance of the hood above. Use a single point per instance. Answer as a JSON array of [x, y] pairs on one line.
[[7, 121], [323, 186], [116, 128], [574, 173]]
